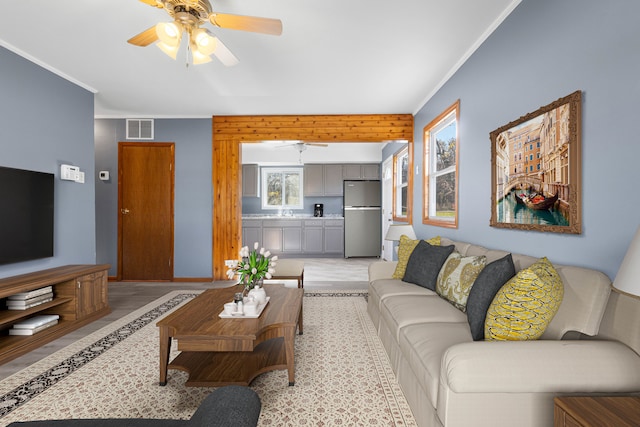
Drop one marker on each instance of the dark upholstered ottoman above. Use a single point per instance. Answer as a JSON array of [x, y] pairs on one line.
[[226, 406]]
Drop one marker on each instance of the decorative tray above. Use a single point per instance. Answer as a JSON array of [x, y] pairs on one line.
[[245, 316]]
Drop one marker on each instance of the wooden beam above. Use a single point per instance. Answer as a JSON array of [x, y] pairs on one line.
[[231, 131]]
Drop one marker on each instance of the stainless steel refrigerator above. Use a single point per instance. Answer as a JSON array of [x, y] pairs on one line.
[[362, 219]]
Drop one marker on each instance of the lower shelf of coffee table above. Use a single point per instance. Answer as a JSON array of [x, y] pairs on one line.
[[214, 369]]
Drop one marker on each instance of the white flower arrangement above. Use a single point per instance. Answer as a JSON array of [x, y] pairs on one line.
[[253, 266]]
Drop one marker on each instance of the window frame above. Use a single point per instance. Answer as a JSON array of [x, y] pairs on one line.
[[265, 171], [397, 214], [448, 116]]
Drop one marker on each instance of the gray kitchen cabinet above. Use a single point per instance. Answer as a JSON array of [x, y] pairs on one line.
[[332, 180], [292, 239], [313, 180], [351, 171], [282, 235], [272, 239], [371, 171], [295, 235], [361, 171], [322, 180], [333, 236], [313, 236], [251, 232], [250, 180]]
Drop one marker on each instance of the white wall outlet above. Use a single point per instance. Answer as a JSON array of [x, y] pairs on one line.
[[104, 175], [80, 178]]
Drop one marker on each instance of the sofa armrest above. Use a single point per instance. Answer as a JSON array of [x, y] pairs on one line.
[[381, 270], [540, 366]]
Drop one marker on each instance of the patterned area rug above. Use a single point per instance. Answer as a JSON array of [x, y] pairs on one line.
[[343, 376]]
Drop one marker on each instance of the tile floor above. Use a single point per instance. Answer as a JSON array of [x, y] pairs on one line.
[[125, 297]]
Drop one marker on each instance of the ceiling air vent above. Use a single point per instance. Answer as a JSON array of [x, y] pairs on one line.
[[139, 128]]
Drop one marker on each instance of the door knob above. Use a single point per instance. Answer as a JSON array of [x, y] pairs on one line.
[[124, 211]]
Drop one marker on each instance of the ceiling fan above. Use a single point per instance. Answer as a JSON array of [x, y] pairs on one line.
[[302, 146], [188, 16], [298, 145]]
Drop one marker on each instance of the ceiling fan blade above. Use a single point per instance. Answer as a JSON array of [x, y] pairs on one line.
[[223, 53], [247, 23], [316, 144], [145, 38], [153, 3]]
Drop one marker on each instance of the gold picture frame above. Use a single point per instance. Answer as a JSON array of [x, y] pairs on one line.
[[536, 169]]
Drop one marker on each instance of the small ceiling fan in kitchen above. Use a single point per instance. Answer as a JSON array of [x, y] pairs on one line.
[[299, 145], [189, 16]]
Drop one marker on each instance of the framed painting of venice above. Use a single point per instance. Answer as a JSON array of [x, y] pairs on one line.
[[536, 169]]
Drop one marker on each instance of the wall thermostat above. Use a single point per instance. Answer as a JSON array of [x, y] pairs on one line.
[[69, 173], [104, 175]]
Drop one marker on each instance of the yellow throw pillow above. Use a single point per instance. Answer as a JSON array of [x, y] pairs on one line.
[[457, 276], [523, 308], [405, 248]]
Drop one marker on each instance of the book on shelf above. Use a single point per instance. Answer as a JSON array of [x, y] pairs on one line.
[[31, 331], [32, 302], [35, 321], [21, 296]]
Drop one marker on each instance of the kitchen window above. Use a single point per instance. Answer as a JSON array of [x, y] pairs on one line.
[[282, 188], [440, 179], [401, 193]]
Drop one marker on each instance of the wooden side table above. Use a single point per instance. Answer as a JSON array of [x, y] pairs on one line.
[[586, 411]]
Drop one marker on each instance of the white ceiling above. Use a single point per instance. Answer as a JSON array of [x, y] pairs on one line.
[[333, 57]]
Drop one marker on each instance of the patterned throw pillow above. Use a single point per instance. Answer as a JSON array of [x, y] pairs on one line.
[[456, 278], [405, 248], [523, 308]]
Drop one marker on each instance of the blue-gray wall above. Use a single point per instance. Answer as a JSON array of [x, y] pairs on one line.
[[544, 50], [45, 121], [193, 192]]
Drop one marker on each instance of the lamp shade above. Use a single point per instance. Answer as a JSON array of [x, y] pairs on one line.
[[396, 230], [205, 43], [628, 278]]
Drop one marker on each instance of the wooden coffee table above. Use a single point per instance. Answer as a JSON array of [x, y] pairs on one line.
[[217, 351]]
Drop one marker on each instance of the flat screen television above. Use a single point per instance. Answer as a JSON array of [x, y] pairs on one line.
[[26, 215]]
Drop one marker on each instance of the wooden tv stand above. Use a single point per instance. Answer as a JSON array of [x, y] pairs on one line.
[[80, 296]]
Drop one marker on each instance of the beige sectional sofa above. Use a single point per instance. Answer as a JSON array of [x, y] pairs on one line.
[[592, 345]]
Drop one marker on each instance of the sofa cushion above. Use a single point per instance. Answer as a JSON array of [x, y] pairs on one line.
[[383, 288], [405, 248], [403, 310], [423, 346], [484, 289], [457, 276], [525, 305], [425, 263]]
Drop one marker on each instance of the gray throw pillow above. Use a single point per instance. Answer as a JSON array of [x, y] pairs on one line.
[[425, 263], [484, 289]]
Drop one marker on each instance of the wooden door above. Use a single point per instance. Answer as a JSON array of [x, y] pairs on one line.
[[145, 199]]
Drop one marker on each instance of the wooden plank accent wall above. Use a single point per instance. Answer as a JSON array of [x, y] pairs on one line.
[[231, 131]]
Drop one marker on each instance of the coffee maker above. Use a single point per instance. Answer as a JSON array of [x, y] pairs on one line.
[[318, 209]]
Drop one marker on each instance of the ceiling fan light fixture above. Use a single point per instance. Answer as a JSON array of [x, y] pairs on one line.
[[169, 33], [205, 42], [171, 51], [198, 57]]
